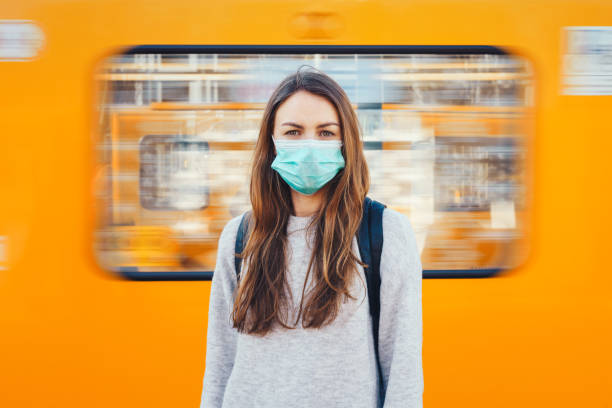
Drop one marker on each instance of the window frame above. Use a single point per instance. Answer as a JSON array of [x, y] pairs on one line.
[[133, 273]]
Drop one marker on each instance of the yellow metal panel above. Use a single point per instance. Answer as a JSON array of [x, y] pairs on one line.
[[73, 336]]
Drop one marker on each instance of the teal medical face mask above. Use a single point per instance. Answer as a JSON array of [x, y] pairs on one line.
[[307, 165]]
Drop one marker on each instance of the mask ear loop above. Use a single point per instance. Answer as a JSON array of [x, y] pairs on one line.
[[274, 144]]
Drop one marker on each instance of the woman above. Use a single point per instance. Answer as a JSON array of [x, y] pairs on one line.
[[294, 329]]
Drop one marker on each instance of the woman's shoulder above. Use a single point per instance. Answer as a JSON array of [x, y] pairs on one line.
[[227, 238], [224, 268], [396, 223], [400, 250]]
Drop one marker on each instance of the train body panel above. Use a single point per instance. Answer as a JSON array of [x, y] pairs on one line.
[[75, 333]]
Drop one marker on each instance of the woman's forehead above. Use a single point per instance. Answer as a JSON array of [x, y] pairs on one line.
[[306, 108]]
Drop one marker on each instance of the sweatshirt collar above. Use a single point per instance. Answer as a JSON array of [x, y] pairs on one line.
[[298, 223]]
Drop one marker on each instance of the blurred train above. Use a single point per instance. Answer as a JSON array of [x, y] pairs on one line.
[[127, 134]]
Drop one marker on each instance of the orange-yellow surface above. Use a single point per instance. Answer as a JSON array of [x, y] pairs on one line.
[[74, 336]]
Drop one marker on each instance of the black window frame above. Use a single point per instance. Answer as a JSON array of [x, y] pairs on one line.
[[133, 273]]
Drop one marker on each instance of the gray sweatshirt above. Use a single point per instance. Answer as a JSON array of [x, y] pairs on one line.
[[334, 366]]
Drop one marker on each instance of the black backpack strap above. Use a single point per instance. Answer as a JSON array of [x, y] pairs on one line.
[[363, 238], [241, 238], [370, 239]]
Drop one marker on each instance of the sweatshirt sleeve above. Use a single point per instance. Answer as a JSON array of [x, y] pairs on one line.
[[401, 321], [221, 336]]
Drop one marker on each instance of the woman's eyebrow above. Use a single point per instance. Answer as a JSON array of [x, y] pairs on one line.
[[302, 127], [292, 124], [328, 124]]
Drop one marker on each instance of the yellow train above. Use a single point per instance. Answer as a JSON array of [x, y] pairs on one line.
[[127, 131]]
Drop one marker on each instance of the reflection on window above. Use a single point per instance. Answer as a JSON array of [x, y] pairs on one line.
[[473, 172], [173, 173], [444, 138]]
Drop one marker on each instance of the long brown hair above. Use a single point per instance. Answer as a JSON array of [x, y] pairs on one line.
[[263, 287]]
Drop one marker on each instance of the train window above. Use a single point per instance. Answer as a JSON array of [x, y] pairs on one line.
[[445, 130], [173, 173]]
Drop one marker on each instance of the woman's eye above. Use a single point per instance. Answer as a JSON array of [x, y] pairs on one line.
[[289, 132], [327, 133]]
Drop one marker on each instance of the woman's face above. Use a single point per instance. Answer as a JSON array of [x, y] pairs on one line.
[[306, 116]]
